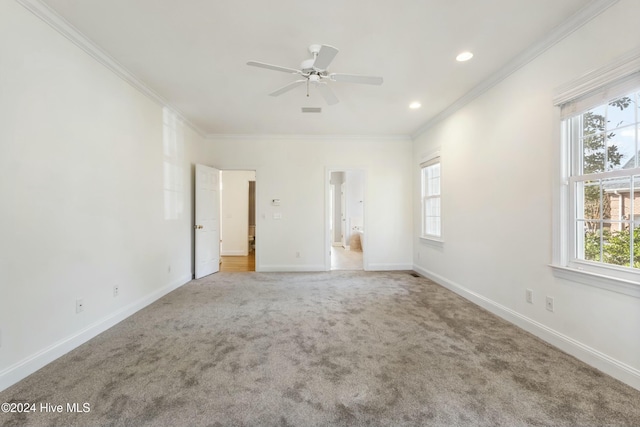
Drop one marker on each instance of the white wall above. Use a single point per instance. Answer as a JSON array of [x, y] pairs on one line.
[[82, 190], [235, 212], [294, 170], [499, 157]]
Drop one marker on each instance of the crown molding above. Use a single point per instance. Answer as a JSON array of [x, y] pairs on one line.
[[577, 20], [623, 66], [61, 25], [309, 137]]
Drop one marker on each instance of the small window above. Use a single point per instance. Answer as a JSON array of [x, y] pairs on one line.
[[431, 199]]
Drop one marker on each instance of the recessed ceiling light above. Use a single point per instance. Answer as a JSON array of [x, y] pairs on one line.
[[415, 105], [464, 56]]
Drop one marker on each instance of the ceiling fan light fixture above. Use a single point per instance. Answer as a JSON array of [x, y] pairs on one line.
[[314, 72], [464, 56], [415, 105]]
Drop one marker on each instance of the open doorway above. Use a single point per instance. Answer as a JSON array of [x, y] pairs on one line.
[[345, 224], [238, 220]]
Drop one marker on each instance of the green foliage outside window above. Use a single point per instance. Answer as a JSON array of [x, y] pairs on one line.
[[617, 247]]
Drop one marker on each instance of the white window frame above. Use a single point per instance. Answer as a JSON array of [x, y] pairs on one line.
[[426, 196], [594, 88]]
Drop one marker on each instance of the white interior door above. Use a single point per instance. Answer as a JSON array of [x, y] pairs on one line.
[[207, 221]]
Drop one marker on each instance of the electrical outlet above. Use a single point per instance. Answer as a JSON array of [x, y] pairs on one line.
[[550, 304], [79, 305], [529, 296], [116, 291]]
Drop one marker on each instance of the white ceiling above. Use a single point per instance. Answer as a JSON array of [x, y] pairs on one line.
[[194, 53]]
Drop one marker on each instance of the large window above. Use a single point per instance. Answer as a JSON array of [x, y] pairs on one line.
[[431, 206], [603, 154]]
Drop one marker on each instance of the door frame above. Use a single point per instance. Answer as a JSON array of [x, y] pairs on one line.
[[260, 216], [327, 233]]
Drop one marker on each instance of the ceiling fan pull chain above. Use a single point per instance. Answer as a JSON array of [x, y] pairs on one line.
[[307, 87]]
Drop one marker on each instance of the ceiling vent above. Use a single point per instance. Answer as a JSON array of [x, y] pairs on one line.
[[311, 110]]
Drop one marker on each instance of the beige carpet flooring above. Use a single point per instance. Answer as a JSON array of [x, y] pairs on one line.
[[320, 349]]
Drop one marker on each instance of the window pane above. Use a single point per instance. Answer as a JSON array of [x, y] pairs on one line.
[[433, 226], [433, 180], [591, 209], [636, 245], [433, 207], [432, 216], [621, 148], [590, 242], [593, 153], [617, 245], [593, 121], [615, 198], [621, 112]]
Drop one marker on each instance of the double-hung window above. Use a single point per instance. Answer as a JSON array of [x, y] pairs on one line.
[[601, 183], [431, 206]]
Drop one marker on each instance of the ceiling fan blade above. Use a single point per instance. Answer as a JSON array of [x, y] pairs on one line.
[[325, 56], [355, 78], [327, 93], [288, 87], [273, 67]]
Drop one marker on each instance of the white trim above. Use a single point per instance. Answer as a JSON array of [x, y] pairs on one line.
[[31, 364], [576, 21], [620, 68], [434, 239], [309, 137], [605, 363], [622, 286], [429, 159], [61, 25]]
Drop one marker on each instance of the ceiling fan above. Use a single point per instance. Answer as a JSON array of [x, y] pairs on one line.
[[314, 72]]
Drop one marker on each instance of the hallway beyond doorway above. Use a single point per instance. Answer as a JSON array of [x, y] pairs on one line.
[[343, 259]]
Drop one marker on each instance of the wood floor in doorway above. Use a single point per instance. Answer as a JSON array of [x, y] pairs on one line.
[[239, 263]]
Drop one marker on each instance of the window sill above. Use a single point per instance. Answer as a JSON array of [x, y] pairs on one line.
[[623, 286], [432, 239]]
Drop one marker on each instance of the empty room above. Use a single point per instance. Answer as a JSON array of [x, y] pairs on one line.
[[292, 213]]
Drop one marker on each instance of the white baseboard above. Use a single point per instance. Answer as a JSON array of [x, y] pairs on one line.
[[617, 369], [31, 364], [388, 267]]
